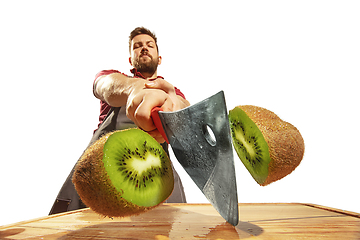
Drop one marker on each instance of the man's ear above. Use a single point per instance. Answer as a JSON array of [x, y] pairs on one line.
[[160, 58], [130, 61]]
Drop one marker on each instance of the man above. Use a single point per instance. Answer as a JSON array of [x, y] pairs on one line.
[[127, 101], [139, 95]]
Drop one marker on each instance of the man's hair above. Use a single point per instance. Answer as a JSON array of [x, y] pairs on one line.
[[142, 30]]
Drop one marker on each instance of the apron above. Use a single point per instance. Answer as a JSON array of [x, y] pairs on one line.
[[69, 200]]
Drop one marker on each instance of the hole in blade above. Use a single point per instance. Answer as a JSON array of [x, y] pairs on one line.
[[209, 135]]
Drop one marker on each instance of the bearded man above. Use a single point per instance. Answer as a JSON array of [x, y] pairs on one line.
[[127, 101]]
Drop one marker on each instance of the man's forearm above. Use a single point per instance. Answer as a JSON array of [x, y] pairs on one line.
[[115, 88]]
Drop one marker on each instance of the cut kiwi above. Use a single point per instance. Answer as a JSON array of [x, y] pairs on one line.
[[124, 173], [269, 147]]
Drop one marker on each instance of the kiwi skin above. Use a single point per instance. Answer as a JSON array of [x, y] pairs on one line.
[[285, 143], [95, 187]]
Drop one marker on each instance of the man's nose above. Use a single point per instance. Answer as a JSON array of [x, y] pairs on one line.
[[144, 48]]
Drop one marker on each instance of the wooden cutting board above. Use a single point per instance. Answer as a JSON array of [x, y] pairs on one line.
[[195, 221]]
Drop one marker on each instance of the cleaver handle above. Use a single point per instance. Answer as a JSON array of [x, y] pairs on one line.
[[157, 122]]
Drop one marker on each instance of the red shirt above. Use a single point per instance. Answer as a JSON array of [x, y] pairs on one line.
[[104, 107]]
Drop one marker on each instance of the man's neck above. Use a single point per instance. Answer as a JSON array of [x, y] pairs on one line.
[[149, 75], [144, 75]]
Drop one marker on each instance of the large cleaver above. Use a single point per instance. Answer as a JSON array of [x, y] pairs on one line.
[[199, 136]]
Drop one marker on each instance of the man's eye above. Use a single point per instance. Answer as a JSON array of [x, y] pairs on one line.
[[136, 45]]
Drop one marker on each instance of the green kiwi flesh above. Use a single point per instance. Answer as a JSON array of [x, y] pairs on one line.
[[138, 167], [249, 144]]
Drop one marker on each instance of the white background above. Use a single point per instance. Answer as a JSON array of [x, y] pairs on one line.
[[299, 59]]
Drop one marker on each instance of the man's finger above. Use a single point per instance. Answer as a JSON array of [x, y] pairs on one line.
[[143, 111], [156, 134], [160, 83]]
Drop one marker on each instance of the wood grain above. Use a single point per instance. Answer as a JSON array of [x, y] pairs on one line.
[[195, 221]]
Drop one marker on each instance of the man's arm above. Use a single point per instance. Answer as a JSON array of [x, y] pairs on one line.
[[115, 88], [139, 96]]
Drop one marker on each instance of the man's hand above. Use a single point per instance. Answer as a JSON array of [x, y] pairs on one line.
[[156, 93]]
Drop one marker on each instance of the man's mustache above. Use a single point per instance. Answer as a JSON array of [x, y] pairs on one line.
[[145, 53]]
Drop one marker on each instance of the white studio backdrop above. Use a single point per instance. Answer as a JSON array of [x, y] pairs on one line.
[[299, 59]]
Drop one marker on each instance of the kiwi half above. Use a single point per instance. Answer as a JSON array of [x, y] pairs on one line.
[[124, 173], [269, 147]]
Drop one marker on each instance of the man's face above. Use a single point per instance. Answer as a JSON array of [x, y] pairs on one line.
[[144, 55]]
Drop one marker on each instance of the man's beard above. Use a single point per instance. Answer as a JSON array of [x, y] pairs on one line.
[[148, 67]]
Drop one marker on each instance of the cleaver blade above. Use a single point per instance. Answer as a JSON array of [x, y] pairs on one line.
[[200, 138]]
